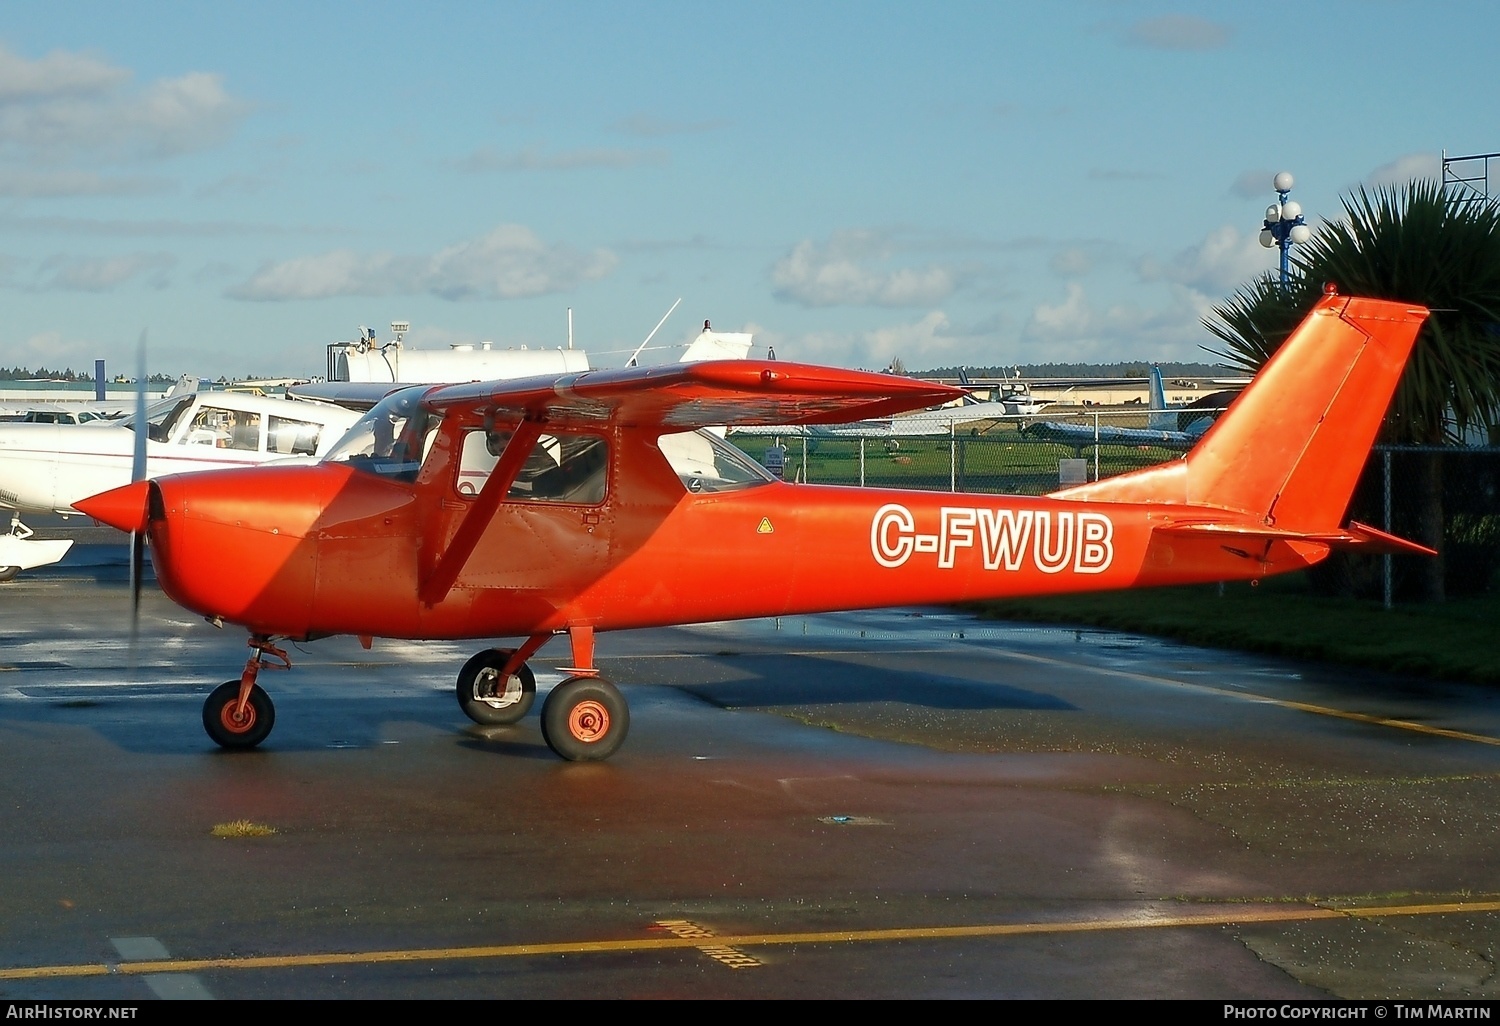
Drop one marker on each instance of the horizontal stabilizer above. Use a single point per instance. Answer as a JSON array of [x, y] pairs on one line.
[[1357, 536], [1369, 539]]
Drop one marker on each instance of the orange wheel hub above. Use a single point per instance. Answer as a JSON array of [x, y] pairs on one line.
[[237, 724], [588, 720]]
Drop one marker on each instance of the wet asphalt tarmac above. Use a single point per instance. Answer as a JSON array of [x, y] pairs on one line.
[[905, 803]]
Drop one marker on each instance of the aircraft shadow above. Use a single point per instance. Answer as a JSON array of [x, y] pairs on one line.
[[794, 680]]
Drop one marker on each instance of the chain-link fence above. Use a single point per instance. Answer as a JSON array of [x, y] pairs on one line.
[[1016, 456], [1403, 490]]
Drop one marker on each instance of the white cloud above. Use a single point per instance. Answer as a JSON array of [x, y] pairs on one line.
[[923, 343], [652, 127], [56, 75], [1224, 260], [509, 262], [487, 160], [1074, 329], [1071, 261], [1404, 169], [51, 349], [340, 272], [1178, 32], [841, 274], [66, 107], [1254, 184], [64, 182], [100, 274], [1070, 319]]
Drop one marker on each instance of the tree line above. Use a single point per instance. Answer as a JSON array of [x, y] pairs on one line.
[[46, 374]]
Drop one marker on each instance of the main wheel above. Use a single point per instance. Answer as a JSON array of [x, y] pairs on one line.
[[243, 731], [478, 696], [8, 573], [585, 719]]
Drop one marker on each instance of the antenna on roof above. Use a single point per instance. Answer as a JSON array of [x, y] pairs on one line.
[[631, 362]]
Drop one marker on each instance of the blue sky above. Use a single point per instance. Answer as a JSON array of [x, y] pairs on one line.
[[978, 183]]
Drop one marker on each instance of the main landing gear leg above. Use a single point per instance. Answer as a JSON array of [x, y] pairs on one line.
[[239, 714], [496, 687], [585, 718]]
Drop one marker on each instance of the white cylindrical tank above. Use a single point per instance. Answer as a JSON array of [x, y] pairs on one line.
[[423, 366]]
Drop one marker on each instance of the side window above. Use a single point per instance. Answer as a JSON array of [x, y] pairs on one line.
[[209, 426], [561, 468], [224, 429], [292, 437]]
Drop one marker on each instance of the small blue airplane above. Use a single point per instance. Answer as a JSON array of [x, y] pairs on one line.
[[1161, 425]]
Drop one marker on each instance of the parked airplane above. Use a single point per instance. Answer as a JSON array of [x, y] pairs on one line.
[[1162, 424], [587, 503], [47, 467]]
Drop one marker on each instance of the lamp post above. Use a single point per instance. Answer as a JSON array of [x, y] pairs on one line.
[[1284, 224]]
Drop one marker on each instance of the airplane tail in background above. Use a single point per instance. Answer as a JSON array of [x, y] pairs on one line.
[[1291, 447], [1160, 419], [718, 345]]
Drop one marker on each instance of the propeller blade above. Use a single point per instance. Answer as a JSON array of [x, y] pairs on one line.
[[137, 572], [138, 457], [138, 473]]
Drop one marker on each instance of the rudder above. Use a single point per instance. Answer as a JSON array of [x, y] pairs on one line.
[[1291, 447]]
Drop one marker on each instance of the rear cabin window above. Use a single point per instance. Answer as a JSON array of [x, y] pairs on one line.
[[293, 437], [704, 462], [569, 469]]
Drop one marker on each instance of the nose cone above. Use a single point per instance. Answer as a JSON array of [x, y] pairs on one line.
[[123, 508]]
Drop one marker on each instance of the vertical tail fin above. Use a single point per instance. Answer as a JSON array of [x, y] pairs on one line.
[[1291, 447], [717, 345], [1160, 419]]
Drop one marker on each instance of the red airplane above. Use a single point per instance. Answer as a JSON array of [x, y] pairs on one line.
[[591, 502]]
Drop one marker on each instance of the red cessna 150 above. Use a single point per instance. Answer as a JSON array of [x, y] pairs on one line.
[[590, 503]]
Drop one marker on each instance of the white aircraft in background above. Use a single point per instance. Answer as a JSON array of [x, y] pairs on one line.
[[45, 468], [1161, 430]]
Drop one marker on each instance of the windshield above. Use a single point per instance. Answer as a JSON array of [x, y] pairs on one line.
[[392, 438], [161, 417], [704, 462]]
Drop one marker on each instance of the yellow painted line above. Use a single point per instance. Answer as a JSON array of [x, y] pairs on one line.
[[1145, 921], [1247, 696]]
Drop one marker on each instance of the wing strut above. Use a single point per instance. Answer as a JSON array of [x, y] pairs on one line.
[[440, 581]]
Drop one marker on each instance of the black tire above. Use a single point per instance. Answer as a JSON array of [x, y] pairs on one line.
[[219, 721], [8, 573], [585, 719], [476, 689]]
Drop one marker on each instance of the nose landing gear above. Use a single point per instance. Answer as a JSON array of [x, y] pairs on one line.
[[238, 714]]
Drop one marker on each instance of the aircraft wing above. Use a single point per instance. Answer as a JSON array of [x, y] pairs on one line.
[[682, 397], [353, 395], [1085, 434]]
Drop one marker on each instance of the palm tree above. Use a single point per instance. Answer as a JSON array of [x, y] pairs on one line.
[[1412, 243]]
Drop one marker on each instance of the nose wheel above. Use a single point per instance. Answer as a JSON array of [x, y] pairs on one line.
[[585, 719], [232, 726], [238, 713], [491, 696]]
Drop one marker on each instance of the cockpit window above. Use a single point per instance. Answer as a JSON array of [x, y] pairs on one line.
[[392, 439], [704, 462], [563, 468]]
